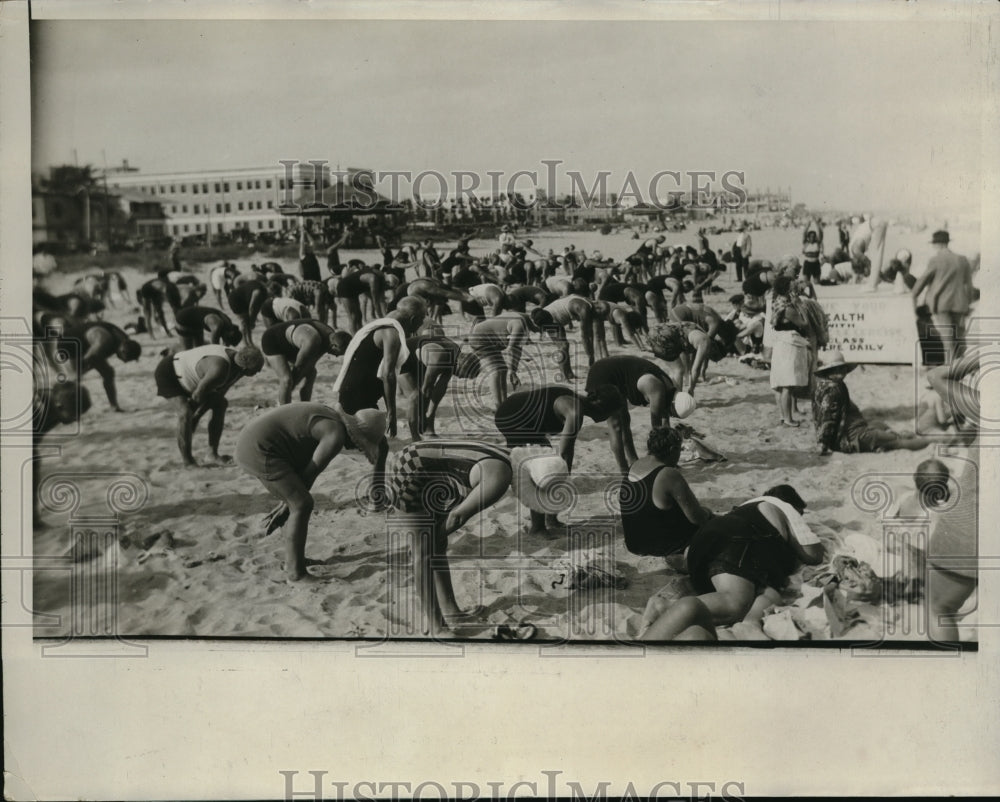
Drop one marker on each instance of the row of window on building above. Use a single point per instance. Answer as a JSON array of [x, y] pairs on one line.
[[227, 208], [219, 187], [198, 228]]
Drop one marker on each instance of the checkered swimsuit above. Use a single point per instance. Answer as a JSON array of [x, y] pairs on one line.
[[434, 476], [305, 291]]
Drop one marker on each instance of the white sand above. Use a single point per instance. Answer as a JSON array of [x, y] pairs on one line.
[[193, 561]]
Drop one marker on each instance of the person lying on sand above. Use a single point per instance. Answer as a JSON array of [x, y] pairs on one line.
[[196, 381], [530, 417], [733, 559], [840, 426], [645, 384], [660, 513], [293, 349], [287, 449]]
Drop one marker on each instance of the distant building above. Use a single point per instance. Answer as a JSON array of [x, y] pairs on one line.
[[216, 201]]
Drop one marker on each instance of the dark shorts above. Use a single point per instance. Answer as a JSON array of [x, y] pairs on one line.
[[520, 438], [742, 558], [811, 270], [167, 383], [362, 393]]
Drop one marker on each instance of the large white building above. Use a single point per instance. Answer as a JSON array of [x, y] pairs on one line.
[[220, 201]]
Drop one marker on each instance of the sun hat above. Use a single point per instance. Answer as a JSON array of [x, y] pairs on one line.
[[540, 479], [832, 361], [684, 404], [366, 428], [940, 238]]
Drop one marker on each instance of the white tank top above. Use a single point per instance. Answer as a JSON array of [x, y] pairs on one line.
[[186, 364], [282, 305]]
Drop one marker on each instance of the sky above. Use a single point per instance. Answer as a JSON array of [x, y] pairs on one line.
[[868, 116]]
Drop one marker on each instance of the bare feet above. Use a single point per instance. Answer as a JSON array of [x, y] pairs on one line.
[[221, 459]]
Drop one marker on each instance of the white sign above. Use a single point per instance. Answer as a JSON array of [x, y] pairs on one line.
[[876, 326]]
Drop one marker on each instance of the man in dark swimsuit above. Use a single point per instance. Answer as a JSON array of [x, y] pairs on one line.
[[152, 297], [644, 384], [368, 373], [193, 322], [101, 341], [246, 300], [293, 349]]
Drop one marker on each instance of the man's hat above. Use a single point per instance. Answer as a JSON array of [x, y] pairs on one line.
[[833, 360], [940, 238]]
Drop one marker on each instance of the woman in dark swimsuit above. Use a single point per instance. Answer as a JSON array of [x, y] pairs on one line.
[[659, 512]]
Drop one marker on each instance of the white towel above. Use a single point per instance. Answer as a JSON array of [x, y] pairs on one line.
[[800, 529], [356, 340]]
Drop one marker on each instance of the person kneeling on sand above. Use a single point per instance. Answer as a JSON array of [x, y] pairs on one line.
[[840, 426], [287, 448], [733, 559], [659, 512]]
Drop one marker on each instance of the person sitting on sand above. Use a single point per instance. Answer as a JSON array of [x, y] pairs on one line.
[[424, 378], [490, 338], [840, 426], [287, 449], [733, 559], [530, 417], [372, 360], [196, 381], [193, 322], [294, 347], [246, 300], [101, 341], [659, 512], [645, 384], [451, 481]]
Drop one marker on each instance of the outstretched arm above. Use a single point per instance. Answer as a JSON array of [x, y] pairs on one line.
[[331, 441]]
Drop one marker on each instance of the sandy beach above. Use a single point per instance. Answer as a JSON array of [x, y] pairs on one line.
[[193, 561]]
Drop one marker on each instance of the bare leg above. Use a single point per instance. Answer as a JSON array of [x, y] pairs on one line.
[[280, 366], [215, 426], [308, 380], [630, 454], [185, 428], [294, 493], [946, 593]]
